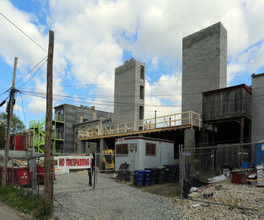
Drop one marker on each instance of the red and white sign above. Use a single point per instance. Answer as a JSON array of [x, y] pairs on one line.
[[65, 163], [120, 140]]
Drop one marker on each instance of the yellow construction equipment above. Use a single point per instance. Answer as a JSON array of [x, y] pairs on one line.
[[108, 159]]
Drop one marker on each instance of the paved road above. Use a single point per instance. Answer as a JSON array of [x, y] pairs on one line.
[[7, 213]]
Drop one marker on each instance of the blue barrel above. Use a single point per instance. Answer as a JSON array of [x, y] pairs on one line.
[[148, 175], [245, 164], [139, 177], [259, 154]]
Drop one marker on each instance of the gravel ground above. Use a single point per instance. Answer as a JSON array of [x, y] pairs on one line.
[[229, 194], [74, 199]]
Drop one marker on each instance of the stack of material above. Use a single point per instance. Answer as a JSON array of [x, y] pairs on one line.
[[15, 163], [260, 174]]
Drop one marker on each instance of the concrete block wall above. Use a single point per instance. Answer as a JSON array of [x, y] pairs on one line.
[[128, 80], [204, 65], [257, 132]]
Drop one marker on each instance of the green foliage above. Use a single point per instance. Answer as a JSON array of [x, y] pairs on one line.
[[177, 194], [16, 126], [26, 203]]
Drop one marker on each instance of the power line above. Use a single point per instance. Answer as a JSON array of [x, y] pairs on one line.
[[31, 70], [128, 82], [125, 107], [22, 31], [5, 92], [127, 96], [111, 103], [34, 74]]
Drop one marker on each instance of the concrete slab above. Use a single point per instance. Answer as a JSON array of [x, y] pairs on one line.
[[7, 213]]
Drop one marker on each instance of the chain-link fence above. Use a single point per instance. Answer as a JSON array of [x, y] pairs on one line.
[[111, 168], [25, 169], [202, 166], [16, 167]]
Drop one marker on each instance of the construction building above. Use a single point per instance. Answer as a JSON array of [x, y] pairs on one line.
[[129, 92], [204, 65], [257, 134], [93, 127], [71, 115], [257, 107]]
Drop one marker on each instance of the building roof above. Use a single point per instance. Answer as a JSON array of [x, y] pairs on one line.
[[92, 121], [227, 89], [75, 106], [143, 138], [256, 75]]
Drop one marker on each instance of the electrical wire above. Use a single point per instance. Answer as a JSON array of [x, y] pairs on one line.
[[121, 105], [132, 82], [22, 31], [23, 108], [5, 91], [33, 74], [31, 70], [123, 96], [105, 103]]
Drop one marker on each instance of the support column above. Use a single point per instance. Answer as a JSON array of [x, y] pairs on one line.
[[102, 146], [242, 130], [189, 145], [242, 120]]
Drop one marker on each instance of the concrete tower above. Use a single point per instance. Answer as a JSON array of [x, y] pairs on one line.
[[204, 65], [129, 92]]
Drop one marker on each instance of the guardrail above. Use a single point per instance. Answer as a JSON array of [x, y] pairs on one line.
[[185, 118]]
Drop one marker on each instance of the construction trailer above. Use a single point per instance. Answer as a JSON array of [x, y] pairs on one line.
[[143, 152]]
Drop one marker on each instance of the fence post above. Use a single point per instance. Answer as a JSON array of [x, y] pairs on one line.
[[12, 169], [132, 167], [34, 174], [181, 171], [94, 171]]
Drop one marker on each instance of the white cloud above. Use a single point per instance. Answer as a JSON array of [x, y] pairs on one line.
[[14, 44], [166, 89], [91, 37]]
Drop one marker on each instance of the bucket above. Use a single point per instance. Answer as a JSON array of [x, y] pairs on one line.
[[139, 177], [147, 180]]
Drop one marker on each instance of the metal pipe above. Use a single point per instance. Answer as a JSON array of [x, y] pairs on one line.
[[155, 118]]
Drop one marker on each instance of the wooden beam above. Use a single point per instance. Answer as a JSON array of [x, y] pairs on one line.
[[137, 132]]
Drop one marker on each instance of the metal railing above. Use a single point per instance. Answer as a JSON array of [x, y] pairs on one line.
[[185, 118]]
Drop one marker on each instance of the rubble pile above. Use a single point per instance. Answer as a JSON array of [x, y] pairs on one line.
[[260, 174], [238, 201], [15, 163]]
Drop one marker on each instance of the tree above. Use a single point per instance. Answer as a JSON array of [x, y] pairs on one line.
[[17, 126]]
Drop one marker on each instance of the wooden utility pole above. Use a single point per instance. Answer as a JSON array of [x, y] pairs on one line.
[[9, 121], [48, 137]]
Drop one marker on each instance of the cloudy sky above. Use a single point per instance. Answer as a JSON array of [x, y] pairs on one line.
[[93, 37]]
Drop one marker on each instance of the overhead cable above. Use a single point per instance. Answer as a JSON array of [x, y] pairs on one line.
[[31, 70], [33, 74], [22, 31]]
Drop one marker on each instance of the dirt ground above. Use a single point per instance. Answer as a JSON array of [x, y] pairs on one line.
[[166, 189]]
